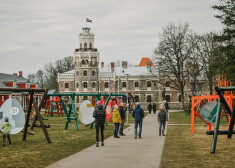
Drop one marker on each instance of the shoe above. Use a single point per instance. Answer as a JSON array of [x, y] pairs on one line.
[[97, 144], [102, 144], [3, 144], [163, 134], [117, 136], [135, 137]]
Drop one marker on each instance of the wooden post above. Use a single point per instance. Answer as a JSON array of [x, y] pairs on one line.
[[28, 114]]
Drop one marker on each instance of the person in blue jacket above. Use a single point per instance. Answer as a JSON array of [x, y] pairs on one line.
[[138, 114]]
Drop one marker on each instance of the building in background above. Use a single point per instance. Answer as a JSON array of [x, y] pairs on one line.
[[137, 81], [16, 81]]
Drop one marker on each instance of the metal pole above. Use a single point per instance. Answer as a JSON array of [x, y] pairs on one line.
[[214, 141]]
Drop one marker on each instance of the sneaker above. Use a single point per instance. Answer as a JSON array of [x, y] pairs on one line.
[[163, 134], [117, 136], [140, 137], [135, 137], [3, 144], [97, 144]]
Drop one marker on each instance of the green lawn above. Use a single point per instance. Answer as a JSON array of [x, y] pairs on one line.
[[183, 149], [36, 152]]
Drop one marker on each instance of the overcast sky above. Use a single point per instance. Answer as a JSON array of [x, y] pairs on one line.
[[33, 33]]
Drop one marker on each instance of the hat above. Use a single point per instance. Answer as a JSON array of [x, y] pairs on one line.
[[99, 102], [138, 103], [115, 106], [6, 119]]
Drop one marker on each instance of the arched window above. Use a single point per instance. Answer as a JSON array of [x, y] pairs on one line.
[[83, 61], [80, 45], [86, 61], [85, 85], [77, 85], [93, 73], [85, 73], [85, 45], [90, 45], [77, 73], [93, 84]]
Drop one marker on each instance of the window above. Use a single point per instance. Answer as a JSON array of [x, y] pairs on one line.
[[85, 85], [85, 98], [83, 61], [66, 85], [106, 85], [179, 98], [149, 98], [93, 84], [77, 73], [168, 98], [93, 73], [124, 84], [168, 83], [137, 98], [77, 84], [85, 73], [148, 83], [136, 84], [90, 45], [85, 45]]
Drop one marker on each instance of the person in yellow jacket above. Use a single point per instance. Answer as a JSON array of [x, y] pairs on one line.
[[116, 118]]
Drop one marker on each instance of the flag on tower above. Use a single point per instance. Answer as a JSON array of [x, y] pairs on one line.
[[88, 20]]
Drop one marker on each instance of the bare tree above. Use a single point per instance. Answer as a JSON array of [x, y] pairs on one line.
[[172, 55], [40, 78], [209, 55]]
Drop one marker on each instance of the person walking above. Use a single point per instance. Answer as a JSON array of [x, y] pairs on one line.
[[123, 116], [116, 118], [138, 114], [6, 126], [166, 105], [99, 115], [162, 119], [150, 108], [154, 108]]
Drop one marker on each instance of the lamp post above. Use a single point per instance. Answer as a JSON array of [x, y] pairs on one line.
[[127, 103]]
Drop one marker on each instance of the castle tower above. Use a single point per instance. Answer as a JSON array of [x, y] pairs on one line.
[[86, 60]]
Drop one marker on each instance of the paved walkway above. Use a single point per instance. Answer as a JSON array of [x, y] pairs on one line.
[[125, 152]]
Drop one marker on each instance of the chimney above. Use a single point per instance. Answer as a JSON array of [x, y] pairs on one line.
[[15, 74], [112, 65], [20, 73], [124, 64], [102, 64]]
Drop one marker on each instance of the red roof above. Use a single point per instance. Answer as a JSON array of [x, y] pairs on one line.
[[145, 61]]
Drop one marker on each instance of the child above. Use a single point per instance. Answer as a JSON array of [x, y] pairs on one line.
[[116, 120], [6, 126]]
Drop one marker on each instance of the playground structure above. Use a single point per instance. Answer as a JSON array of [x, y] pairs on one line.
[[52, 105], [230, 110], [71, 110], [197, 102], [32, 103]]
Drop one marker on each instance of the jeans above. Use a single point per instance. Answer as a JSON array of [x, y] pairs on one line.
[[116, 129], [140, 127], [121, 127], [162, 124], [4, 138], [101, 131]]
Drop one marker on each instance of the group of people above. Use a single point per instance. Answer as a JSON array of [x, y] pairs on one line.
[[118, 118], [154, 107]]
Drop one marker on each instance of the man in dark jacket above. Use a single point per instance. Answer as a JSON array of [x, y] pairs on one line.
[[154, 108], [162, 119], [150, 108], [166, 106], [123, 116], [99, 115], [138, 114]]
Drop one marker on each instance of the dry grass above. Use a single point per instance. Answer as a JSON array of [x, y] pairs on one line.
[[183, 149]]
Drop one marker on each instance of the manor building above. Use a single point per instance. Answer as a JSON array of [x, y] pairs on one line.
[[89, 76]]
